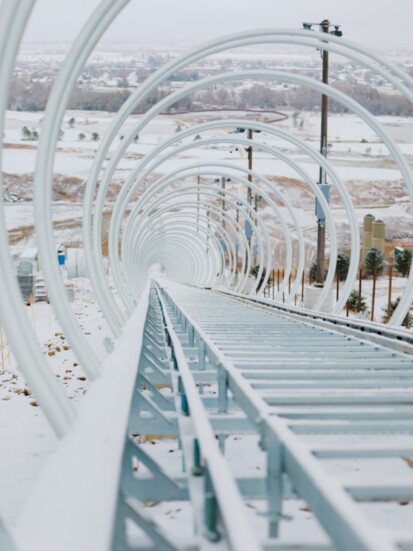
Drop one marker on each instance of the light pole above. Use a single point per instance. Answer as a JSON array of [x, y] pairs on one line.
[[324, 27]]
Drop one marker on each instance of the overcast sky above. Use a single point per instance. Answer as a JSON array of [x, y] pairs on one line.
[[373, 23]]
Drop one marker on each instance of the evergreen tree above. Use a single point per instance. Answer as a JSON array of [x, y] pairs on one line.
[[313, 270], [353, 302], [343, 263], [403, 261], [373, 262], [254, 272], [393, 305], [26, 133]]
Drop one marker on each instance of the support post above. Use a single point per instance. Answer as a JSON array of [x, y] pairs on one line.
[[373, 296], [302, 288], [191, 336], [274, 485], [210, 510], [201, 354], [249, 196], [197, 469], [389, 293], [273, 284], [338, 286], [222, 390], [321, 230], [223, 200]]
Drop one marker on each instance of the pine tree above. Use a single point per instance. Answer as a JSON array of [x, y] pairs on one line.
[[353, 302], [313, 270], [343, 263], [393, 305], [26, 133], [403, 261], [373, 262]]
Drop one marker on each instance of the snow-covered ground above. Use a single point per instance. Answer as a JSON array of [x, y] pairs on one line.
[[26, 436], [356, 153], [360, 159]]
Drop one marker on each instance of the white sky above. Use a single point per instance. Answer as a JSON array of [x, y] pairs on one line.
[[373, 23]]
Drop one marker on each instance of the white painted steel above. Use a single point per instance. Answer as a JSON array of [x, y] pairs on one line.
[[134, 242], [119, 212], [307, 38], [147, 232], [326, 497], [85, 42], [32, 363], [249, 215], [239, 531], [74, 501], [294, 79], [180, 236]]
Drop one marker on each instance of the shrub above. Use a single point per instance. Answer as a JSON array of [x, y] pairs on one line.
[[353, 302]]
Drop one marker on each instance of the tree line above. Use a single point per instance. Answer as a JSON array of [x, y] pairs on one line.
[[32, 96]]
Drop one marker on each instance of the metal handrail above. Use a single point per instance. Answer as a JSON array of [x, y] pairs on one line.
[[398, 338]]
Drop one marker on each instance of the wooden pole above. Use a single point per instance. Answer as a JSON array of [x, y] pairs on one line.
[[278, 279], [389, 293], [321, 229], [302, 288], [273, 284], [359, 300], [338, 286], [283, 280], [249, 151], [373, 296]]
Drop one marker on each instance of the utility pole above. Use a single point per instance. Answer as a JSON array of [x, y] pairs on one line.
[[248, 229], [324, 27], [223, 201], [321, 228], [250, 134]]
